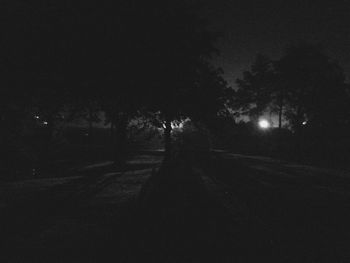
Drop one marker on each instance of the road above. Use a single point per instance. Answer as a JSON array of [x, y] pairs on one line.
[[59, 219], [232, 208], [303, 210]]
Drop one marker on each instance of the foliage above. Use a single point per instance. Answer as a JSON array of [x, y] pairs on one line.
[[254, 94], [315, 87], [304, 85]]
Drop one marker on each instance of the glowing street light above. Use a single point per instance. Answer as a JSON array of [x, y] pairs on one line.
[[264, 124]]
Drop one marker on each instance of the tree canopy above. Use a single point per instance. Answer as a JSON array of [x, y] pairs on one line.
[[304, 85], [125, 58], [254, 92], [315, 85]]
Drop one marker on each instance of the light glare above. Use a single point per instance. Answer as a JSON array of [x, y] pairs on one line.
[[264, 124]]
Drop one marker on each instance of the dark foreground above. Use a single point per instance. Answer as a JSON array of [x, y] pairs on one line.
[[230, 208]]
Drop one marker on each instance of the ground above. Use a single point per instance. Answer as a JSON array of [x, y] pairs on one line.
[[231, 208]]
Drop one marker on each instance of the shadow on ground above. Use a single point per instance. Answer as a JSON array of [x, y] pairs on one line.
[[223, 210]]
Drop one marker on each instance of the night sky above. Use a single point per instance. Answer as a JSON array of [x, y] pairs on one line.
[[255, 26]]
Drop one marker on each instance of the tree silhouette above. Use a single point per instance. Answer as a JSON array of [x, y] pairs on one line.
[[178, 45], [13, 104], [209, 97], [34, 47], [124, 58], [315, 87], [254, 94]]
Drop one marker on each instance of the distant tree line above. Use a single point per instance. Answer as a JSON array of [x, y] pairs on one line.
[[150, 60], [308, 92], [125, 58], [304, 86]]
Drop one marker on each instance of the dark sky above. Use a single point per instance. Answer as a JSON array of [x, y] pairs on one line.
[[253, 26]]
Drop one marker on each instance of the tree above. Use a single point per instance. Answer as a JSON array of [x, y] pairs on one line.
[[315, 87], [209, 97], [123, 57], [178, 48], [33, 48], [254, 94], [13, 104], [125, 74]]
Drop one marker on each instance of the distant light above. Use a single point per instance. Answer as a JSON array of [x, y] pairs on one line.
[[36, 117], [304, 123], [264, 124], [175, 125], [45, 122]]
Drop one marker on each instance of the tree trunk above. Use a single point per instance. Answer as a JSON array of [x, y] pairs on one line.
[[2, 130], [90, 127], [112, 132], [280, 112], [50, 128], [112, 138], [120, 139], [167, 138]]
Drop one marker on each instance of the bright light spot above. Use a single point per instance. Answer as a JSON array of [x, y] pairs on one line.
[[176, 124], [264, 124], [45, 122], [304, 122], [36, 117]]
